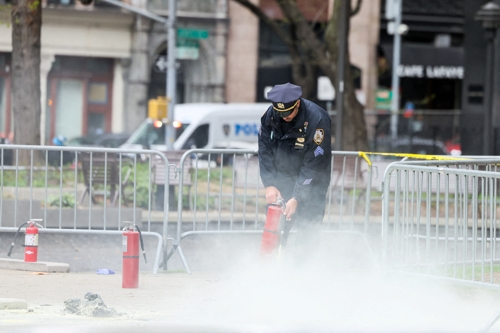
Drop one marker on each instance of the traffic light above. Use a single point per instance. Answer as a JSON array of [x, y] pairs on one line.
[[157, 108]]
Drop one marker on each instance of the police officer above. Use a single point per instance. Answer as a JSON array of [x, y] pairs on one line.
[[295, 158]]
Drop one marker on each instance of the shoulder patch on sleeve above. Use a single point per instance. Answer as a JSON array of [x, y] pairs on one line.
[[319, 136], [318, 151]]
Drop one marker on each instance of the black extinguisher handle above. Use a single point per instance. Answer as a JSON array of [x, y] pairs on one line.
[[15, 237], [142, 244]]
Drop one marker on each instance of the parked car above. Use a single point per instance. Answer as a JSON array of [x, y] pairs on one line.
[[108, 140], [6, 155], [410, 145]]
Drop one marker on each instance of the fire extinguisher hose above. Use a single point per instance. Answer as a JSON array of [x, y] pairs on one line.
[[142, 244], [15, 237]]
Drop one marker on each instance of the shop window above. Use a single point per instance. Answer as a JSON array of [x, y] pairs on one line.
[[69, 108], [73, 65], [60, 2], [96, 123], [3, 103], [98, 66], [98, 93]]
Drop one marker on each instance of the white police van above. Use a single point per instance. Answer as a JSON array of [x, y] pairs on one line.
[[203, 125]]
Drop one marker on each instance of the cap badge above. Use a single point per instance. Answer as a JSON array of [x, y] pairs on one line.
[[319, 136], [281, 105]]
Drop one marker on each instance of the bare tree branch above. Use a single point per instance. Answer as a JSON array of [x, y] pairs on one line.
[[285, 37], [356, 9], [314, 48]]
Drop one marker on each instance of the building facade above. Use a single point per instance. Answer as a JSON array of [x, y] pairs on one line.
[[431, 73], [274, 64], [480, 120], [101, 64]]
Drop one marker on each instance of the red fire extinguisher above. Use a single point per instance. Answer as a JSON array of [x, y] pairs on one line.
[[30, 240], [131, 237], [273, 228]]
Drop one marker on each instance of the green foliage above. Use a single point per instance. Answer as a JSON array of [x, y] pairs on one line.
[[67, 200], [142, 184], [34, 6], [6, 7], [215, 175], [39, 178], [465, 271]]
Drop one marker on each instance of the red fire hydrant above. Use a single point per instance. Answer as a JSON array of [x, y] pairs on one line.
[[131, 238], [30, 240]]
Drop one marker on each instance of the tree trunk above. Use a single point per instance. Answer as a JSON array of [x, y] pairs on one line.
[[354, 135], [26, 107]]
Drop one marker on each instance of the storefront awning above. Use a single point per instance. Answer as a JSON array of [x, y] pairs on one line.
[[427, 61]]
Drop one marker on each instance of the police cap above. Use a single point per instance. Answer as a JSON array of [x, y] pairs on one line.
[[284, 96]]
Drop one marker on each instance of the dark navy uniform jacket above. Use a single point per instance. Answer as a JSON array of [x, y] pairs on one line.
[[295, 157]]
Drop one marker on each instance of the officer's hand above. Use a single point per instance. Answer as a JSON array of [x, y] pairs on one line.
[[272, 194], [291, 207]]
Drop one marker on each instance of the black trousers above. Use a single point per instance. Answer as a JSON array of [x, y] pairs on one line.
[[307, 218]]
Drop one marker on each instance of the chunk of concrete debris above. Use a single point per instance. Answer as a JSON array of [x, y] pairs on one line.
[[92, 306]]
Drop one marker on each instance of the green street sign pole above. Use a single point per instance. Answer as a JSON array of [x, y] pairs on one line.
[[171, 72]]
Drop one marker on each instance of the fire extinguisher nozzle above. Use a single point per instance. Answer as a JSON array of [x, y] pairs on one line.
[[10, 250], [145, 259]]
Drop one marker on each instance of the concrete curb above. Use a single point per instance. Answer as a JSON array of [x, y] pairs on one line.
[[40, 266], [12, 304]]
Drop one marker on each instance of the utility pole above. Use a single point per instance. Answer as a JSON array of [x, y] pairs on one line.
[[489, 15], [393, 11], [171, 74], [171, 70], [344, 13]]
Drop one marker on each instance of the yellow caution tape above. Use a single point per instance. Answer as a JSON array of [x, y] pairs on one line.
[[364, 155]]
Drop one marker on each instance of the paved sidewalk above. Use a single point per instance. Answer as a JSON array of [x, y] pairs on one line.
[[264, 297], [169, 297]]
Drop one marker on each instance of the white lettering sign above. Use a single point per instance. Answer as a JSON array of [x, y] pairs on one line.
[[411, 71], [445, 72], [431, 72]]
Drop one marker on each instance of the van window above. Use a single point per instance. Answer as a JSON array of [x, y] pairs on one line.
[[151, 135], [198, 139]]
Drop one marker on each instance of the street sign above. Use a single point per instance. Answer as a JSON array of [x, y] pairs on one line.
[[188, 49], [187, 43], [192, 33], [391, 9], [383, 99], [188, 53]]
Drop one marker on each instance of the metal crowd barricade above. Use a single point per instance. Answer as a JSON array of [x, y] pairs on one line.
[[229, 197], [80, 190], [94, 190], [440, 218], [350, 194]]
